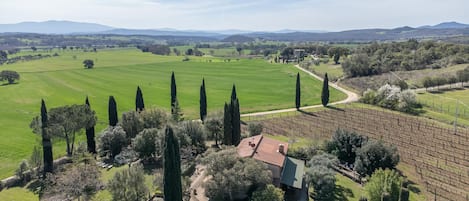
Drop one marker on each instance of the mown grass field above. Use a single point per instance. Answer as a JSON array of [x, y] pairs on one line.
[[63, 80]]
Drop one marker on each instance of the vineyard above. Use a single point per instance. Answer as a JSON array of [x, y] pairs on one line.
[[439, 154]]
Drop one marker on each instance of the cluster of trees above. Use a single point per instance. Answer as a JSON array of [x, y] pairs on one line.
[[4, 59], [321, 176], [364, 155], [392, 97], [232, 121], [379, 58], [10, 76], [195, 52], [461, 76], [155, 49]]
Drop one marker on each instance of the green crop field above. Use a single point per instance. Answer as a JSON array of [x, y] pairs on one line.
[[63, 80]]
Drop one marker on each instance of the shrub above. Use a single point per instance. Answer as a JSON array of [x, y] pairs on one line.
[[255, 128], [374, 155]]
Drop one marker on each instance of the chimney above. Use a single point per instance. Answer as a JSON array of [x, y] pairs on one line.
[[281, 148]]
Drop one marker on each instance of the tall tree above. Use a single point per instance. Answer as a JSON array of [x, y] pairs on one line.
[[139, 104], [233, 93], [46, 141], [90, 134], [112, 111], [227, 125], [236, 122], [325, 91], [173, 94], [298, 92], [172, 168], [203, 101]]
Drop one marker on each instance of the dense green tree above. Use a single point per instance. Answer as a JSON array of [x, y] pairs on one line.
[[64, 122], [46, 139], [236, 122], [111, 141], [145, 143], [374, 155], [129, 185], [175, 108], [298, 92], [112, 111], [269, 193], [321, 176], [463, 75], [227, 125], [88, 63], [172, 168], [203, 101], [139, 104], [384, 185], [345, 144], [132, 123], [90, 133], [232, 177], [325, 91], [195, 132], [10, 76], [233, 93], [3, 57]]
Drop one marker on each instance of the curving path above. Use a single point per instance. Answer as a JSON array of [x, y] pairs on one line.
[[351, 97]]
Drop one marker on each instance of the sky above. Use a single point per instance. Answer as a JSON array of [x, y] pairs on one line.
[[254, 15]]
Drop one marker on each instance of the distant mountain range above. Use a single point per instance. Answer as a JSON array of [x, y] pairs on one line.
[[444, 29]]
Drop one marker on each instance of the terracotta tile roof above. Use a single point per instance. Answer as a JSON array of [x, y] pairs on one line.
[[263, 149]]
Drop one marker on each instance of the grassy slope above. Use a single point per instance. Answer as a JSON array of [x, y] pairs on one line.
[[62, 80], [442, 106]]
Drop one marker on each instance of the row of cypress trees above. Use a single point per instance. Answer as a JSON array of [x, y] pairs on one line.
[[232, 121], [324, 91]]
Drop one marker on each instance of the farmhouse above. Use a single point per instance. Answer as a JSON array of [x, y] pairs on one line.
[[287, 172]]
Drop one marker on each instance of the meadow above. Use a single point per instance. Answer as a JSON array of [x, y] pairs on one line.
[[62, 81]]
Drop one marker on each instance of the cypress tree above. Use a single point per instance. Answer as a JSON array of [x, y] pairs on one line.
[[236, 122], [139, 104], [227, 125], [325, 91], [203, 101], [298, 92], [46, 141], [233, 93], [172, 168], [112, 111], [90, 134], [173, 94]]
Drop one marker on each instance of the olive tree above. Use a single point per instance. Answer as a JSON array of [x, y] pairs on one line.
[[9, 75]]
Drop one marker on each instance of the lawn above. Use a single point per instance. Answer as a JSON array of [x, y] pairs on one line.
[[63, 80], [334, 71], [442, 105]]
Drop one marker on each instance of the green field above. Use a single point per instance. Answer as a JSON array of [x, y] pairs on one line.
[[442, 105], [63, 80]]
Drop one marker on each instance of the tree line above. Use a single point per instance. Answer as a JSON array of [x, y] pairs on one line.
[[378, 58]]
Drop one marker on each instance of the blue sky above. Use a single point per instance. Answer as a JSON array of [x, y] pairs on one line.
[[258, 15]]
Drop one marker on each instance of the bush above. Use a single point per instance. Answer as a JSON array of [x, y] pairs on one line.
[[269, 193], [344, 145], [20, 172], [384, 185], [321, 176], [111, 141], [129, 184], [145, 143], [255, 128], [88, 63], [374, 155]]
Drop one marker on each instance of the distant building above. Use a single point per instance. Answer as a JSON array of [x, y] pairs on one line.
[[287, 172]]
